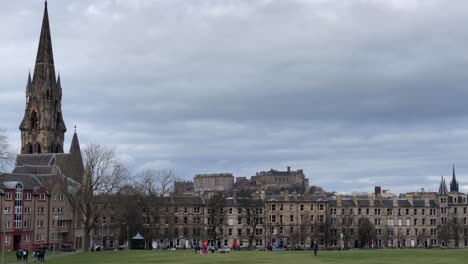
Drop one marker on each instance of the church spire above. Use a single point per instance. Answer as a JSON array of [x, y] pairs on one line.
[[42, 128], [442, 187], [45, 56], [29, 85], [76, 160], [453, 183]]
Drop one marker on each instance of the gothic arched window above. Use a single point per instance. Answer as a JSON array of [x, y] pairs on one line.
[[30, 149], [33, 120], [38, 148]]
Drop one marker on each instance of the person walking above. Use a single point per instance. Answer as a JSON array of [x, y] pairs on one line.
[[315, 248]]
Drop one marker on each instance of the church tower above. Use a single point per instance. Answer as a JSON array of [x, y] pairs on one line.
[[42, 128]]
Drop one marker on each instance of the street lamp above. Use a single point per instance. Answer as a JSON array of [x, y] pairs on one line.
[[3, 243], [56, 233], [128, 237]]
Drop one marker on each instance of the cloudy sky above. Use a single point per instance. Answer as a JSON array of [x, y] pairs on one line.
[[356, 93]]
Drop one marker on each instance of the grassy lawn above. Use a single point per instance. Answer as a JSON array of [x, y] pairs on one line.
[[188, 256]]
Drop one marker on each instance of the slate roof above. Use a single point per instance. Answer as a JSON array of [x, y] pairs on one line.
[[36, 170], [29, 182], [346, 202], [34, 159], [68, 164], [187, 200]]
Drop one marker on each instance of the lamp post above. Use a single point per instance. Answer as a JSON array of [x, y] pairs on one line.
[[128, 238], [56, 233], [3, 245], [102, 235]]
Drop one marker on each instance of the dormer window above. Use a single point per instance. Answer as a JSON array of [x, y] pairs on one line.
[[19, 187]]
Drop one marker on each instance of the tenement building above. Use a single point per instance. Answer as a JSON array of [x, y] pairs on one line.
[[296, 220], [36, 212]]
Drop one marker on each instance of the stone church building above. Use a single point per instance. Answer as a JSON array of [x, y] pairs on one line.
[[36, 211]]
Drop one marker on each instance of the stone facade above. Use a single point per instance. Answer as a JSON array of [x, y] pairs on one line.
[[274, 180], [216, 182]]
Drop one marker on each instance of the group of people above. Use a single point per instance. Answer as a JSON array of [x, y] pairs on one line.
[[38, 253], [314, 246], [204, 248], [22, 255]]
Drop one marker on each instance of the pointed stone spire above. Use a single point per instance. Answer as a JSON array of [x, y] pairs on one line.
[[442, 187], [29, 85], [454, 182], [59, 88], [75, 144], [45, 56], [76, 159]]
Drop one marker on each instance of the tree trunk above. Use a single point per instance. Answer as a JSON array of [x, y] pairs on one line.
[[87, 240]]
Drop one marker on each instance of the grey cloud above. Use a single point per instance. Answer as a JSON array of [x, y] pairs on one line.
[[356, 93]]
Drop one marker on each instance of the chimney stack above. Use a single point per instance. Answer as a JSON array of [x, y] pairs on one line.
[[378, 191], [371, 201], [338, 200], [395, 201], [410, 199]]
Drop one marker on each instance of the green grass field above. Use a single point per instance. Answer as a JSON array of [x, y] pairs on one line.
[[188, 256]]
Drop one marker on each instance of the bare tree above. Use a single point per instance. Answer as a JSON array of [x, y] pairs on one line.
[[157, 182], [366, 231], [156, 186], [215, 224], [456, 229], [252, 207], [450, 231], [346, 225], [104, 174], [6, 155]]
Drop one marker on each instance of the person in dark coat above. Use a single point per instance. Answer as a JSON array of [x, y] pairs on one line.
[[25, 255], [19, 255], [315, 248]]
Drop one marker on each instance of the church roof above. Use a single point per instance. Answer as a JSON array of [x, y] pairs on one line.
[[34, 159], [68, 164], [28, 181]]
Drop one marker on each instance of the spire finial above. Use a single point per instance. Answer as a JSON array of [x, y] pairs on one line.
[[75, 129]]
